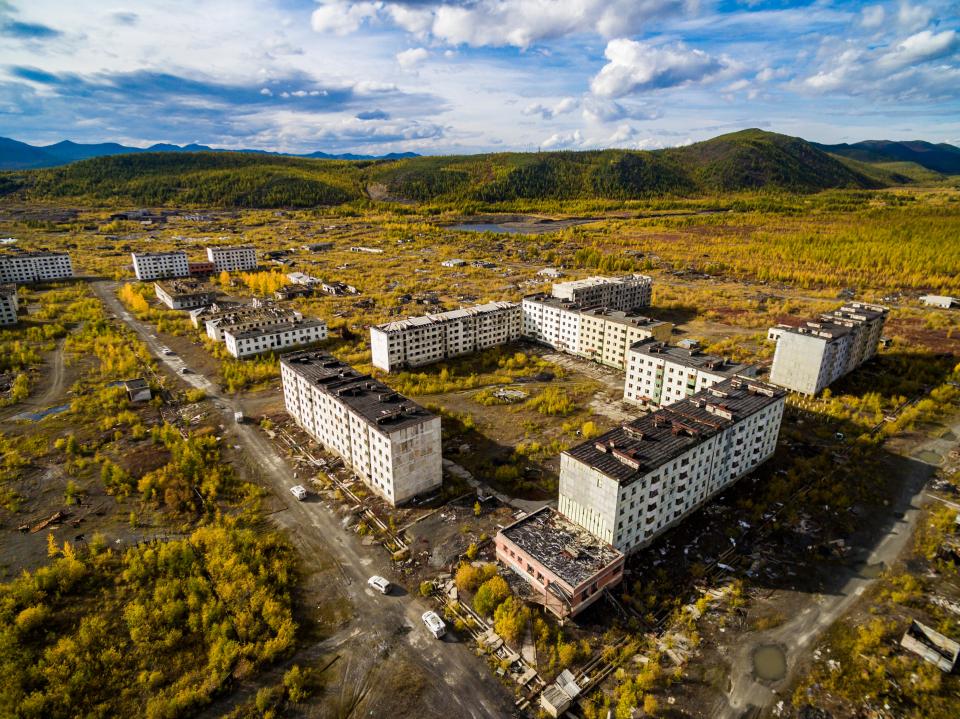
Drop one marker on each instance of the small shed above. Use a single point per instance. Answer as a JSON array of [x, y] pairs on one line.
[[936, 648], [941, 301], [558, 697], [138, 390]]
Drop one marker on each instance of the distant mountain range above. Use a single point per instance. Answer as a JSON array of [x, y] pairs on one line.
[[745, 161], [942, 158], [16, 155]]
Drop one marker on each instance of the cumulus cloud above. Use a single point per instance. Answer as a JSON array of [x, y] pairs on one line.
[[913, 17], [409, 59], [872, 16], [498, 23], [921, 66], [548, 112], [637, 66], [563, 140]]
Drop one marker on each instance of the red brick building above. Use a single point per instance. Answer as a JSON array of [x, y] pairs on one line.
[[566, 566]]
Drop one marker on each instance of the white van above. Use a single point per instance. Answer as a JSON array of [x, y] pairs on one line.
[[300, 492], [434, 623]]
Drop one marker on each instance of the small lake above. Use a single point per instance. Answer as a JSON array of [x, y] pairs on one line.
[[520, 226], [769, 663]]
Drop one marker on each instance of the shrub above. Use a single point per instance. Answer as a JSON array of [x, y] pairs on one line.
[[490, 595]]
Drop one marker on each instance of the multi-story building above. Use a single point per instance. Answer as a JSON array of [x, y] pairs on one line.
[[567, 567], [633, 483], [26, 267], [659, 374], [9, 304], [247, 343], [249, 318], [184, 294], [201, 268], [597, 333], [391, 443], [421, 340], [233, 259], [811, 357], [615, 293], [160, 265]]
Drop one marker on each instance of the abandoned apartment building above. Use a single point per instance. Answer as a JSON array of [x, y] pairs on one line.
[[184, 294], [39, 266], [634, 482], [294, 332], [9, 304], [390, 442], [237, 258], [160, 265], [816, 354], [422, 340], [248, 318], [615, 293], [659, 374], [566, 567], [600, 334]]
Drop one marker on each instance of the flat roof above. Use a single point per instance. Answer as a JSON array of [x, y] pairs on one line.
[[215, 248], [184, 288], [365, 396], [159, 254], [424, 320], [692, 358], [648, 442], [275, 329], [598, 280], [622, 317], [8, 290], [566, 549], [32, 253]]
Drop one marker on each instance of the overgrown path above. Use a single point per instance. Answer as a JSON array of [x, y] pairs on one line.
[[53, 385], [457, 683]]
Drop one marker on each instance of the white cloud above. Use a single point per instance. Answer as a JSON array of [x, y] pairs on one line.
[[636, 66], [872, 16], [548, 112], [922, 46], [913, 17], [563, 140], [409, 59], [498, 23], [343, 18]]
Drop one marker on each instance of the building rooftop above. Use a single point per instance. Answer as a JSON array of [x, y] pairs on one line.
[[572, 285], [157, 254], [857, 312], [633, 319], [8, 290], [184, 288], [643, 444], [216, 248], [228, 319], [693, 358], [569, 551], [33, 253], [374, 401], [275, 329], [424, 320], [138, 383]]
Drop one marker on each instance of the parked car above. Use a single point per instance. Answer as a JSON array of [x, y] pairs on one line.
[[184, 370], [434, 623], [300, 492], [380, 584]]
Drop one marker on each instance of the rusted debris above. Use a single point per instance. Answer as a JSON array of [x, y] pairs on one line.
[[54, 518]]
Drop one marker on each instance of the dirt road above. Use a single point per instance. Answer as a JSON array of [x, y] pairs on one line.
[[457, 683], [797, 636]]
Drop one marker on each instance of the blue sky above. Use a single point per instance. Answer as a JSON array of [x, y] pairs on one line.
[[375, 76]]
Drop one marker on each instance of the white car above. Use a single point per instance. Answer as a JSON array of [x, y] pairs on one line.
[[380, 584], [300, 492], [434, 623]]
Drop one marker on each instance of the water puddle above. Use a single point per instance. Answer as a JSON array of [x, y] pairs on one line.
[[37, 416], [869, 571], [949, 435], [928, 456], [769, 663]]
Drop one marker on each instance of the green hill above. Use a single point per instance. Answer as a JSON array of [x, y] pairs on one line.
[[941, 158], [751, 160]]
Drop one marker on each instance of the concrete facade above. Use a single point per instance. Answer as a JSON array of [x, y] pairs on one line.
[[813, 356], [659, 375], [247, 343], [9, 304], [248, 318], [431, 338], [636, 481], [391, 443], [240, 258], [28, 267], [600, 334], [160, 265], [615, 293]]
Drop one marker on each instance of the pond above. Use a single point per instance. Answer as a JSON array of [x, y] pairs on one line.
[[519, 225], [769, 663]]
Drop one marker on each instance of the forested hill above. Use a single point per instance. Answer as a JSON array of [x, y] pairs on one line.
[[751, 160]]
